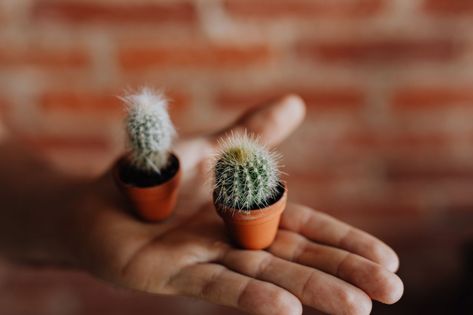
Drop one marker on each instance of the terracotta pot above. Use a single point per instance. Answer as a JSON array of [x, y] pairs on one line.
[[152, 203], [254, 229]]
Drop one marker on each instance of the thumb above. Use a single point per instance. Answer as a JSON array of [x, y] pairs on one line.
[[272, 122]]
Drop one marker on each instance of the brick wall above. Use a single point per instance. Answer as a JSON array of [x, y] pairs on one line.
[[388, 142]]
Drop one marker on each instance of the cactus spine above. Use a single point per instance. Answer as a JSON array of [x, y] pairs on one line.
[[246, 174], [149, 129]]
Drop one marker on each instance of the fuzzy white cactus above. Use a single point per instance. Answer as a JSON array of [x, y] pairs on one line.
[[149, 128], [246, 173]]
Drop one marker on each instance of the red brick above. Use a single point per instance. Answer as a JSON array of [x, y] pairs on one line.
[[3, 102], [49, 58], [55, 142], [80, 101], [3, 18], [381, 50], [349, 98], [466, 210], [303, 8], [188, 55], [4, 107], [79, 12], [90, 101], [325, 194], [381, 140], [449, 7], [413, 141], [408, 169], [432, 96]]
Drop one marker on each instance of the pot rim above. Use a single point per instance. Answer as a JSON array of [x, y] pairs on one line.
[[123, 159], [261, 215]]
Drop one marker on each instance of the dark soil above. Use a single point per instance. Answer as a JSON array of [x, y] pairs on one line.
[[281, 189], [274, 199], [132, 176]]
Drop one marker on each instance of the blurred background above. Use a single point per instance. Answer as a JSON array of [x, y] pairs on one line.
[[387, 144]]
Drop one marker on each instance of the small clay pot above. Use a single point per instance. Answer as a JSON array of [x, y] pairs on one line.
[[256, 228], [153, 196]]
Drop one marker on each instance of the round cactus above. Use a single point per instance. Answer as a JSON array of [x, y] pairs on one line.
[[246, 174], [150, 130]]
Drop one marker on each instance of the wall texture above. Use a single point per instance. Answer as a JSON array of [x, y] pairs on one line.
[[388, 141]]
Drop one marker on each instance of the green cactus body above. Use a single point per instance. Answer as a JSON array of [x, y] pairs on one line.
[[246, 174], [150, 130]]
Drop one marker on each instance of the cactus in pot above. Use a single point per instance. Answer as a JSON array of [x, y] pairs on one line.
[[248, 192], [149, 173], [246, 174], [149, 129]]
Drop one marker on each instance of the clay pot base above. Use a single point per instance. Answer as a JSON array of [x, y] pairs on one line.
[[256, 228], [152, 196]]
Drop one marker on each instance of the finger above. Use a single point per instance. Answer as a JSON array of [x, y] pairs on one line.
[[192, 151], [219, 285], [322, 228], [271, 122], [379, 283], [312, 287]]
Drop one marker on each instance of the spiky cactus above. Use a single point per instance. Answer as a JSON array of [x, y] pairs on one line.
[[246, 174], [150, 130]]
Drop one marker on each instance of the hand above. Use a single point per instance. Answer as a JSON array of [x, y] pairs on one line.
[[315, 260]]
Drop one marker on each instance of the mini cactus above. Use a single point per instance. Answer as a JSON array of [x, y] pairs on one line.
[[246, 174], [150, 130]]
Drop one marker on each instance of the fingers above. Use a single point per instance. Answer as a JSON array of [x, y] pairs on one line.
[[322, 228], [217, 284], [273, 121], [312, 287], [379, 283]]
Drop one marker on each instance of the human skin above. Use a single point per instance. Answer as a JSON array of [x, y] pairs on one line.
[[316, 260]]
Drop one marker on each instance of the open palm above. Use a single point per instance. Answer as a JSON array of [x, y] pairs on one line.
[[315, 260]]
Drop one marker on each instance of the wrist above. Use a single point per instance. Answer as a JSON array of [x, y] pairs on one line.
[[37, 205], [39, 230]]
